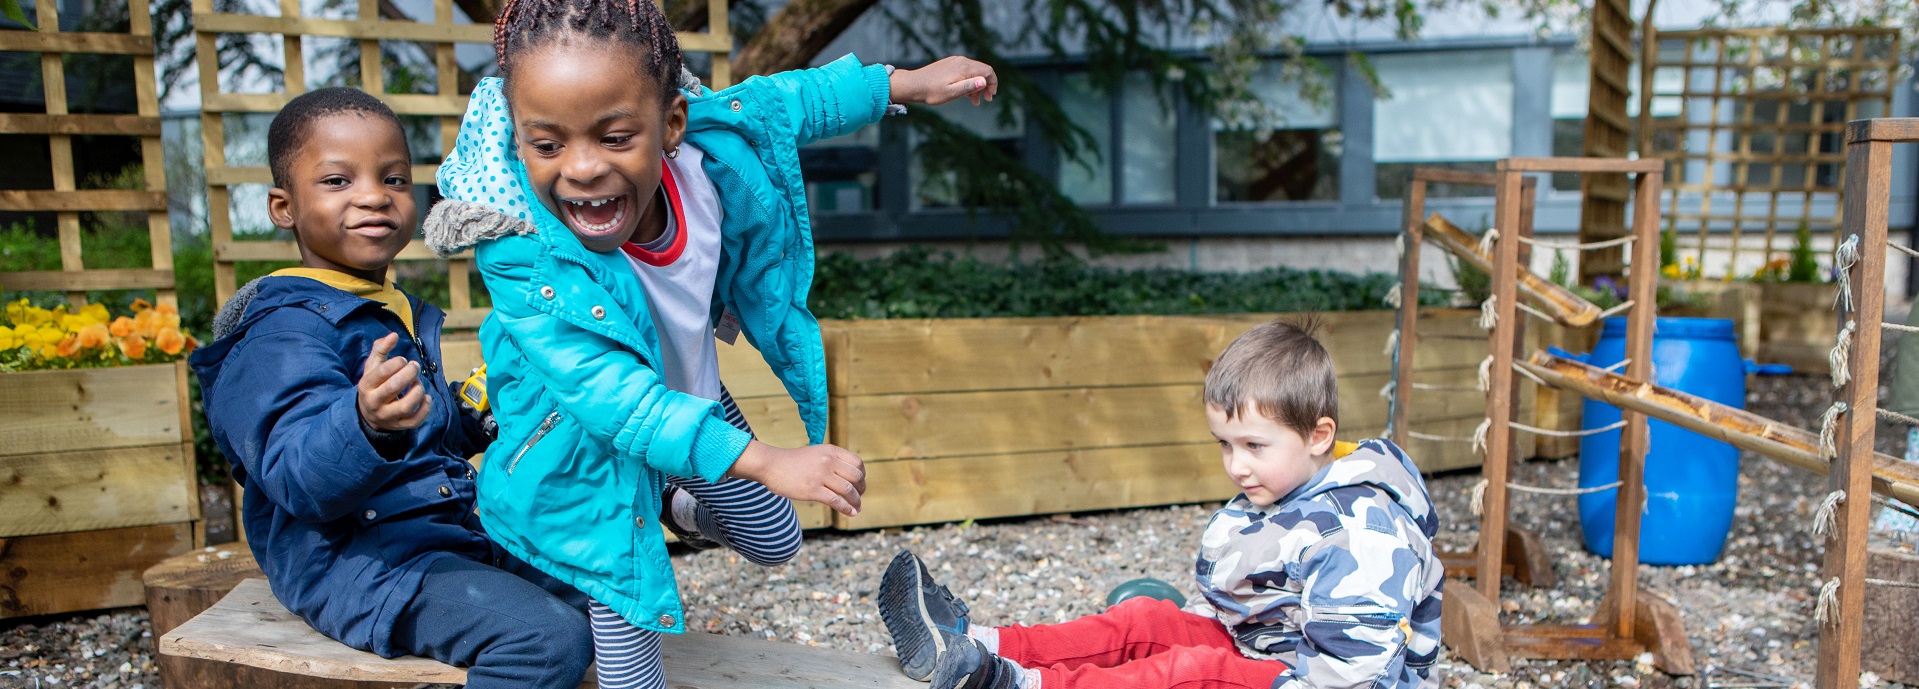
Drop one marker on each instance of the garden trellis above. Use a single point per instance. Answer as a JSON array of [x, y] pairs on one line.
[[445, 105], [59, 125], [1756, 116]]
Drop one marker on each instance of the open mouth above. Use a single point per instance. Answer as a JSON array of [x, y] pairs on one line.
[[595, 217]]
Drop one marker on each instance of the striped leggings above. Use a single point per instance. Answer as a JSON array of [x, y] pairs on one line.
[[759, 525]]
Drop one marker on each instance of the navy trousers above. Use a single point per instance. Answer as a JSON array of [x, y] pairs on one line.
[[510, 626]]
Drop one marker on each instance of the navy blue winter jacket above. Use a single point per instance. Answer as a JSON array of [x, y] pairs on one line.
[[343, 529]]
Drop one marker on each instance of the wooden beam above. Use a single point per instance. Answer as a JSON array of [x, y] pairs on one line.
[[87, 200], [1889, 129], [232, 175], [85, 570], [87, 490], [75, 42], [91, 408], [85, 280], [107, 125], [1556, 301], [1893, 477], [1580, 165], [235, 251]]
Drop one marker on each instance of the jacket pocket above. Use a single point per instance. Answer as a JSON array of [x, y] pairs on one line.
[[546, 426]]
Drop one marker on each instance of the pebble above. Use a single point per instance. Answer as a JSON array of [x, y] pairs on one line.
[[1750, 611]]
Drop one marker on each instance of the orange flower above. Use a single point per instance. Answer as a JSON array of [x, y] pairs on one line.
[[170, 340], [121, 327], [146, 322], [139, 305], [93, 336], [68, 347], [134, 346]]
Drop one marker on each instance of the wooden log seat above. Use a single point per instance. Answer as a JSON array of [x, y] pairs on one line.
[[250, 627]]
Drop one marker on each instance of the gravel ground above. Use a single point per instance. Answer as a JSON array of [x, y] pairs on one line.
[[1748, 613]]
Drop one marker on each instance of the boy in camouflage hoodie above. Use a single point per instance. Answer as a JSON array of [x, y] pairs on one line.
[[1321, 573]]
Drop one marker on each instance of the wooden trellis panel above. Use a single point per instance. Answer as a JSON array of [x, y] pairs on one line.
[[447, 104], [1762, 117], [65, 199], [1602, 210]]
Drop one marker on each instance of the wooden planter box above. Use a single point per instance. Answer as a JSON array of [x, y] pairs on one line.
[[1735, 300], [97, 483], [977, 418], [1798, 324]]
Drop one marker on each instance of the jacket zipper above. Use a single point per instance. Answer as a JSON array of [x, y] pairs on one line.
[[545, 425]]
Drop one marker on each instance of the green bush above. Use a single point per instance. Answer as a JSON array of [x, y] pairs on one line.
[[917, 283]]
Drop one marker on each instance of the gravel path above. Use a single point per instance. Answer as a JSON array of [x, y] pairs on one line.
[[1749, 612]]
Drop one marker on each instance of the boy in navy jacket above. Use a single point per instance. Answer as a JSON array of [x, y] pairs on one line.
[[324, 388]]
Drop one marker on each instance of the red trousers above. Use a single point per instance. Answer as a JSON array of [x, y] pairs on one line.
[[1142, 643]]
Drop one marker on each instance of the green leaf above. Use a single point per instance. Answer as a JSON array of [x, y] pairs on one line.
[[11, 9]]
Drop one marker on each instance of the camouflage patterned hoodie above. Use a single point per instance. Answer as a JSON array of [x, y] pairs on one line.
[[1338, 579]]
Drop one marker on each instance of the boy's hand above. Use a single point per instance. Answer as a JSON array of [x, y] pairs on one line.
[[824, 474], [391, 397], [945, 81]]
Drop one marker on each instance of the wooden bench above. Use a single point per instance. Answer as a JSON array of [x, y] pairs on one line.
[[250, 627]]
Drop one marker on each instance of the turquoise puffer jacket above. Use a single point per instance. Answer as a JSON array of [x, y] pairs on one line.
[[572, 485]]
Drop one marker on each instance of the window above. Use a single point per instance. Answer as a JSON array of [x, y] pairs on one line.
[[1293, 157], [842, 173], [1145, 123], [1451, 110], [942, 190], [1571, 75]]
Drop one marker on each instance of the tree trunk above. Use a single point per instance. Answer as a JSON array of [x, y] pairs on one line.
[[796, 34]]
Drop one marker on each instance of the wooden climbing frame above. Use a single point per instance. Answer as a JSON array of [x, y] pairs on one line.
[[1526, 557], [1629, 622], [1868, 190]]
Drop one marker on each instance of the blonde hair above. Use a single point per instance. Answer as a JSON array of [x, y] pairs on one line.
[[1282, 370]]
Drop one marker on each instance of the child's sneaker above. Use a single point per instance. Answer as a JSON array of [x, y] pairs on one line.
[[916, 611], [678, 506], [967, 664]]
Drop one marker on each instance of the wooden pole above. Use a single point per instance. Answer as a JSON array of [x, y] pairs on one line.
[[1869, 174], [1641, 286], [1499, 407], [1408, 322]]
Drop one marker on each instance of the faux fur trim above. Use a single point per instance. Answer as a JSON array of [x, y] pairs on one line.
[[453, 226]]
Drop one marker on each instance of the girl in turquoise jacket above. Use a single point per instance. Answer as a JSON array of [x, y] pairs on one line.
[[620, 215]]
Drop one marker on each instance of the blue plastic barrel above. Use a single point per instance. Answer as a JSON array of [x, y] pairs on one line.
[[1692, 482]]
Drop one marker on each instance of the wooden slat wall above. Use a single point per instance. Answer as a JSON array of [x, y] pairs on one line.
[[976, 418], [1720, 148]]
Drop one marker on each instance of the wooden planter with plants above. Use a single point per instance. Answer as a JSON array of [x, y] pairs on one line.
[[97, 478], [994, 417]]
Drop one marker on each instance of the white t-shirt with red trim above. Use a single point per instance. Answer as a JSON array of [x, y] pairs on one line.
[[678, 270]]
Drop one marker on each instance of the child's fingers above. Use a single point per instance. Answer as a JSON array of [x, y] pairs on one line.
[[381, 348], [420, 410], [397, 384], [410, 399]]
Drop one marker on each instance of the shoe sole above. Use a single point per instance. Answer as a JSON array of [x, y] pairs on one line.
[[915, 638]]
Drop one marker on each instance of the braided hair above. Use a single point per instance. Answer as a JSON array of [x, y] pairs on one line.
[[639, 24]]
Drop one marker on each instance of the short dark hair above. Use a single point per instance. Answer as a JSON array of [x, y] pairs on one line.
[[1283, 370], [637, 24], [288, 133]]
